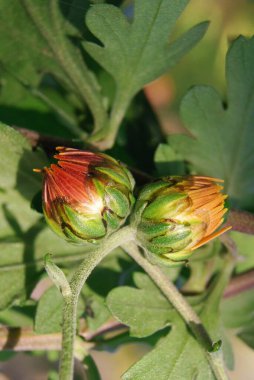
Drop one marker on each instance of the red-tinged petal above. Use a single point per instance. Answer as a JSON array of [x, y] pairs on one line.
[[76, 191]]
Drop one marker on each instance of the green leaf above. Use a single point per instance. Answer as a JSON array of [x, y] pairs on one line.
[[244, 243], [237, 311], [116, 269], [168, 162], [222, 135], [144, 309], [178, 355], [17, 316], [136, 53], [47, 41], [49, 312], [237, 314]]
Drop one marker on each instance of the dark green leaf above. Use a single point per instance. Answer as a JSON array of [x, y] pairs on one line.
[[46, 35]]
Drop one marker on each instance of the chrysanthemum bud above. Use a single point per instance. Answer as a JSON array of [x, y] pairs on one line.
[[86, 195], [176, 215]]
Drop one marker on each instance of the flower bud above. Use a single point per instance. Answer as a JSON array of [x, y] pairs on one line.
[[175, 215], [86, 195]]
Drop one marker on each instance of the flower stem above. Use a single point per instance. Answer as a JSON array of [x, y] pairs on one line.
[[91, 260], [183, 308]]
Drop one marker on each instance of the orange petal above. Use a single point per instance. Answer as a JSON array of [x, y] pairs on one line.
[[210, 237]]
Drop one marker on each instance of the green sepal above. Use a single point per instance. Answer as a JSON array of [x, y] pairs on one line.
[[160, 207], [130, 177], [117, 201], [171, 239], [100, 187], [111, 220], [72, 237], [115, 176], [149, 190], [164, 261], [56, 227], [87, 228], [157, 228]]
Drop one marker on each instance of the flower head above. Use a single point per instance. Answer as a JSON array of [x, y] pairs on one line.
[[86, 195], [176, 215]]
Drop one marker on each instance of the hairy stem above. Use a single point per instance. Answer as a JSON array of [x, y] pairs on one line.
[[241, 221], [183, 308], [92, 259]]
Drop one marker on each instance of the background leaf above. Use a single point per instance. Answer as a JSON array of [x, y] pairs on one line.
[[237, 314], [221, 142], [245, 244], [50, 66], [178, 355]]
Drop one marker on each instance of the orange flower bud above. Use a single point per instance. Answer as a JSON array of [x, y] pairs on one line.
[[86, 195], [175, 215]]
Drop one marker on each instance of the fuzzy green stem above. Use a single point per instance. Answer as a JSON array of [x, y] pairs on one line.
[[183, 308], [91, 260]]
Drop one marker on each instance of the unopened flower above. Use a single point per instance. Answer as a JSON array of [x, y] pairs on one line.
[[86, 195], [175, 215]]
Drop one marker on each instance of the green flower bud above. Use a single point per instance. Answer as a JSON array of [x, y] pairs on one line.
[[175, 215], [86, 196]]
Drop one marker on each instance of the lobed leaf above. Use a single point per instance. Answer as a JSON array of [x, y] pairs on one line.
[[137, 52], [178, 355], [221, 143]]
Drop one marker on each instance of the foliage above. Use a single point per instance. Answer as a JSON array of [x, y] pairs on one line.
[[226, 129], [75, 70]]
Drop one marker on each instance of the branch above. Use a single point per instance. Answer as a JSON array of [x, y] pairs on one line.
[[240, 284], [24, 339], [241, 221]]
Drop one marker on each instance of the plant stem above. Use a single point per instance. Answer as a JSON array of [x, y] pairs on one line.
[[183, 308], [92, 259], [241, 221]]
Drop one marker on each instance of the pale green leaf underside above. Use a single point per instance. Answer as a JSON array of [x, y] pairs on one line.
[[49, 312], [178, 355], [138, 52], [145, 312], [222, 143]]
